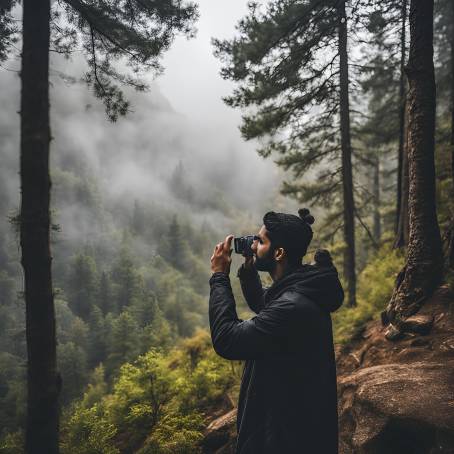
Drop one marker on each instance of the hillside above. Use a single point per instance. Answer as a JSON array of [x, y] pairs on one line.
[[393, 397]]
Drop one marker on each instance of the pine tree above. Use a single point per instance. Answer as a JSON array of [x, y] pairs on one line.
[[423, 269], [444, 40], [175, 248], [82, 285], [402, 168], [127, 281], [97, 338], [42, 381], [379, 131], [8, 30], [179, 185], [139, 224], [138, 31], [124, 342], [291, 64], [105, 298], [135, 32], [72, 362]]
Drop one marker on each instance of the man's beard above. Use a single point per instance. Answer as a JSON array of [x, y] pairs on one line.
[[267, 263]]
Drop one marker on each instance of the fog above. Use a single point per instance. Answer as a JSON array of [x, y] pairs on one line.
[[180, 121]]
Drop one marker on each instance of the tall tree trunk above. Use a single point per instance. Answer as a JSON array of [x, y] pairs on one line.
[[376, 195], [347, 179], [449, 234], [42, 377], [452, 90], [400, 194], [423, 270], [403, 228]]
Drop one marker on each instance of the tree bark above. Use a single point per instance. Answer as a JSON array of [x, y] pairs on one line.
[[423, 270], [347, 179], [42, 377], [449, 234], [403, 229], [400, 193], [376, 194], [452, 92]]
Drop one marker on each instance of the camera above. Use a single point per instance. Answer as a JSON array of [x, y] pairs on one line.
[[243, 244]]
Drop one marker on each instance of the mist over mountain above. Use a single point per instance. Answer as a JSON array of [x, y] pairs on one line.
[[154, 155]]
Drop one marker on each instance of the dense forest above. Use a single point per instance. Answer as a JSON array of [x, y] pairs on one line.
[[112, 201]]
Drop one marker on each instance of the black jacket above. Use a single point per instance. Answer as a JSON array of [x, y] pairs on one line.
[[288, 399]]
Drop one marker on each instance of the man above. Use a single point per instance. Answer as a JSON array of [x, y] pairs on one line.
[[288, 399]]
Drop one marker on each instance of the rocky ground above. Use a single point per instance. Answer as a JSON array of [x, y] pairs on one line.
[[394, 397]]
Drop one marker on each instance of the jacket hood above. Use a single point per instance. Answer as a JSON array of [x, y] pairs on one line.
[[318, 282]]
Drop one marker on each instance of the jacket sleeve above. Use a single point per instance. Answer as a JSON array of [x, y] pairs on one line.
[[260, 337], [251, 287]]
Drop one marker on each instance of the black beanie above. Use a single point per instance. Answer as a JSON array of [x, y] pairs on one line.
[[293, 233]]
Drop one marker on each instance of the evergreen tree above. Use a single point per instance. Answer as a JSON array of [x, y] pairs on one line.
[[139, 224], [78, 333], [143, 309], [423, 269], [42, 379], [291, 63], [402, 221], [72, 363], [378, 133], [179, 185], [124, 342], [8, 29], [128, 283], [135, 32], [444, 40], [174, 248], [105, 298], [387, 83], [82, 285], [97, 338]]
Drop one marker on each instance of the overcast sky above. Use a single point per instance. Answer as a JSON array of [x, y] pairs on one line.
[[198, 129], [191, 80]]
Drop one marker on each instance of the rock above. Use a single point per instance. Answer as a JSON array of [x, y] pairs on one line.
[[419, 324], [398, 409], [220, 435], [448, 345], [420, 342], [393, 333]]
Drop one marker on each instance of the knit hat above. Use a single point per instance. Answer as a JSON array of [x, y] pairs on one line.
[[291, 232]]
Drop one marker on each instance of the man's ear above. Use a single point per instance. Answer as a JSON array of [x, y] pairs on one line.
[[279, 254]]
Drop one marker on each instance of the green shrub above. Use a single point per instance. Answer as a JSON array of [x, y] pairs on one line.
[[88, 431], [157, 403], [375, 286], [175, 434], [12, 443]]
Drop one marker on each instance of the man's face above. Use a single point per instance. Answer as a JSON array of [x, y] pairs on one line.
[[263, 252]]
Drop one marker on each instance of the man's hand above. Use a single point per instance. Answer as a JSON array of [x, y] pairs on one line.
[[221, 258]]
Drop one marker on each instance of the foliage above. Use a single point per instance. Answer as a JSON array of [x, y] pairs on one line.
[[175, 434], [135, 33], [8, 29], [72, 364], [375, 286], [88, 432], [12, 443], [135, 282], [82, 285], [157, 402]]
